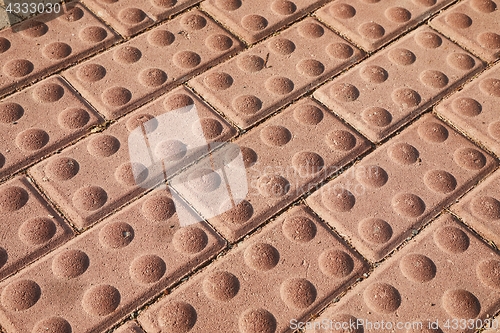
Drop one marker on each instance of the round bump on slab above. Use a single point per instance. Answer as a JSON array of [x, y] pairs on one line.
[[311, 30], [408, 204], [281, 46], [440, 181], [371, 176], [375, 231], [204, 180], [152, 77], [460, 61], [417, 267], [434, 79], [160, 38], [101, 300], [371, 30], [18, 68], [485, 207], [382, 298], [339, 50], [70, 264], [193, 22], [190, 240], [131, 173], [273, 186], [20, 295], [177, 317], [52, 325], [48, 93], [261, 256], [298, 293], [116, 235], [73, 118], [56, 51], [398, 14], [90, 198], [342, 11], [247, 104], [158, 208], [92, 34], [469, 158], [62, 168], [406, 98], [338, 200], [170, 150], [344, 92], [37, 231], [488, 272], [250, 63], [12, 198], [91, 73], [458, 20], [428, 40], [308, 114], [451, 240], [466, 106], [103, 145], [299, 229], [218, 81], [254, 22], [283, 7], [10, 112], [460, 303], [335, 263], [403, 153], [279, 85], [376, 116], [221, 286], [275, 135], [116, 96], [147, 269], [186, 59], [341, 140], [373, 74], [219, 43], [257, 321], [131, 16]]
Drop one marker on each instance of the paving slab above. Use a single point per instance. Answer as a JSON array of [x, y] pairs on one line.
[[287, 65], [442, 165], [287, 271], [255, 20], [83, 287], [371, 24], [284, 158], [474, 25], [414, 287], [30, 227], [43, 45], [474, 109], [160, 59], [398, 83], [39, 120]]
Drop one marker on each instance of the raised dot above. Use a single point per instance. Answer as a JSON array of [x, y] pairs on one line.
[[458, 20], [193, 22], [190, 240], [32, 139], [164, 3], [34, 29], [257, 321], [261, 256], [490, 87], [310, 30], [158, 208], [403, 153], [344, 92], [131, 16], [283, 7], [338, 199], [371, 176], [375, 231], [131, 173], [147, 122], [101, 300], [127, 55], [218, 81], [10, 112], [12, 198], [93, 34], [310, 67], [494, 129], [116, 96], [20, 295], [56, 51], [281, 46], [461, 61], [177, 317], [451, 240], [434, 79], [221, 286], [204, 180], [219, 42], [91, 73], [273, 186], [116, 235], [488, 272], [250, 63], [279, 85], [489, 40], [483, 6], [371, 30], [152, 77], [373, 74], [4, 256], [341, 140], [249, 155], [402, 57], [406, 97], [177, 101], [4, 44], [72, 15], [417, 267], [486, 207], [299, 229], [238, 214], [440, 181], [337, 317], [398, 14], [247, 104], [160, 38], [342, 11], [228, 4], [433, 132], [254, 22], [308, 114], [460, 303], [90, 198], [18, 67], [376, 116], [52, 325], [147, 269], [335, 263], [339, 50], [307, 163], [37, 231], [426, 3], [382, 298], [275, 135], [171, 150], [70, 264], [298, 293], [103, 145], [428, 40], [469, 158], [186, 59], [48, 93], [466, 106], [212, 128], [409, 205]]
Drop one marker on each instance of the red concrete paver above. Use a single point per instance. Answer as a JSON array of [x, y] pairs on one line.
[[442, 165], [129, 17], [414, 286], [371, 24], [399, 83], [34, 228], [39, 120], [480, 208], [474, 109], [159, 59], [130, 327], [289, 270], [285, 157], [43, 45], [255, 20], [83, 287], [100, 173], [473, 24], [287, 65]]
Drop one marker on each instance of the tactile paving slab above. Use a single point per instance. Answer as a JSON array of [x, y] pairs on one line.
[[442, 165], [150, 64], [91, 282], [414, 286], [289, 270], [287, 65], [480, 208], [397, 84], [371, 24], [254, 20], [129, 17], [39, 120], [474, 25], [44, 44], [99, 174], [284, 158], [474, 110], [29, 227]]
